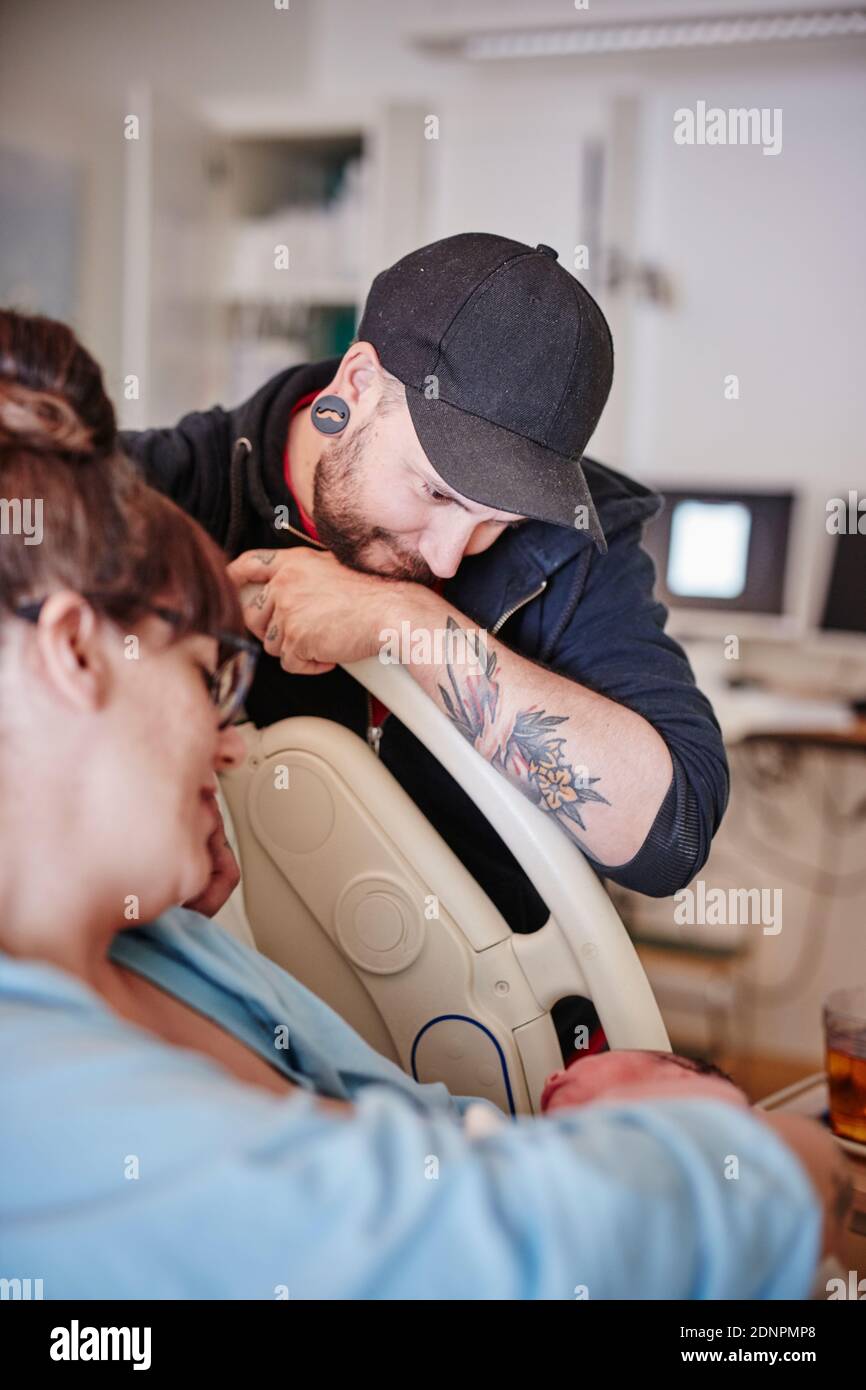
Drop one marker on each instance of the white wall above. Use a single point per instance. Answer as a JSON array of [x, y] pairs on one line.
[[736, 230], [766, 258], [66, 70]]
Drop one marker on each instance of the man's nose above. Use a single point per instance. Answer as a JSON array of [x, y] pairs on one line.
[[443, 550], [231, 749]]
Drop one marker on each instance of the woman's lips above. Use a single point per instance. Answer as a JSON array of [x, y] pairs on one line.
[[207, 798]]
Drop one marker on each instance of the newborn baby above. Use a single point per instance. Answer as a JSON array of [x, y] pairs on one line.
[[628, 1074], [631, 1074]]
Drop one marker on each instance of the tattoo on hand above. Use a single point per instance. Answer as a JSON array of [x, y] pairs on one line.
[[259, 600], [523, 745], [272, 634], [266, 557], [843, 1195]]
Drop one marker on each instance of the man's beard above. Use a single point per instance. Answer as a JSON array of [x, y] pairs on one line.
[[340, 523]]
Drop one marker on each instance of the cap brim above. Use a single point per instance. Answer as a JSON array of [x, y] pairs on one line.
[[497, 468]]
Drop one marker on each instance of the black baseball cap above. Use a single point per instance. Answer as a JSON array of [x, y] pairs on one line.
[[521, 357]]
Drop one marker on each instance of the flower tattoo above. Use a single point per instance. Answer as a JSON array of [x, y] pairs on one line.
[[523, 745]]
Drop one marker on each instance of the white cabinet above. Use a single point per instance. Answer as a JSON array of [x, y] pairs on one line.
[[167, 307], [248, 250]]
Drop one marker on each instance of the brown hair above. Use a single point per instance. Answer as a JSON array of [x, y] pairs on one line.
[[104, 531], [697, 1064]]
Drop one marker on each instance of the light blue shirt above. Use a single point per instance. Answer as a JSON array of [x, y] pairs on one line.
[[130, 1168]]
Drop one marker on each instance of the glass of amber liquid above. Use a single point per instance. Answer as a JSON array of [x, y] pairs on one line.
[[845, 1033]]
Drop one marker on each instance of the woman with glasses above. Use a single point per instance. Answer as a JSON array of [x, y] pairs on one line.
[[123, 666], [180, 1117]]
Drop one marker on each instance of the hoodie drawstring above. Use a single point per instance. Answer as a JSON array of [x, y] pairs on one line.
[[241, 448]]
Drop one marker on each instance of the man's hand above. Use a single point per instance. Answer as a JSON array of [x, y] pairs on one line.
[[312, 612], [225, 874], [825, 1164]]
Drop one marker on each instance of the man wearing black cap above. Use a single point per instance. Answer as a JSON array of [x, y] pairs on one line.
[[435, 475]]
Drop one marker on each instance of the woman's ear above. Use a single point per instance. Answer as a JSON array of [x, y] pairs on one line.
[[70, 646]]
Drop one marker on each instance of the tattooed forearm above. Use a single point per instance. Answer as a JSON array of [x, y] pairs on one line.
[[522, 743]]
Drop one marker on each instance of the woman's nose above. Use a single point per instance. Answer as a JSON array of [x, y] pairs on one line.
[[231, 749]]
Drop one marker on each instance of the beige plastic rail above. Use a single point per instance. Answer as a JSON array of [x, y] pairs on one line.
[[584, 940]]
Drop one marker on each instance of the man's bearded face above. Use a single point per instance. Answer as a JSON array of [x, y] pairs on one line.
[[340, 520]]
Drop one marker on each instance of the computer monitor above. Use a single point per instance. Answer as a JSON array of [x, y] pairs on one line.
[[844, 607], [723, 552]]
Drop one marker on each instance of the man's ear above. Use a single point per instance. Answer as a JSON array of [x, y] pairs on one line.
[[358, 373], [69, 643]]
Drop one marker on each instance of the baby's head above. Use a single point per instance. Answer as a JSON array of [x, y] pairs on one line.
[[631, 1074]]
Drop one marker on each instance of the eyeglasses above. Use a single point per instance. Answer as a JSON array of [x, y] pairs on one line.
[[236, 656]]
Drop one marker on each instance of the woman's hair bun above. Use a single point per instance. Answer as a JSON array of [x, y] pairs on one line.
[[52, 396], [41, 420]]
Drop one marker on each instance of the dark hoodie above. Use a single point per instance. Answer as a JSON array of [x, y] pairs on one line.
[[545, 590]]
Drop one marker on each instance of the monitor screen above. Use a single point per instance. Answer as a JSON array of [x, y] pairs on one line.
[[845, 605], [721, 550], [709, 549]]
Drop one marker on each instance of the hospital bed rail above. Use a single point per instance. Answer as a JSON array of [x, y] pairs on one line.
[[347, 885]]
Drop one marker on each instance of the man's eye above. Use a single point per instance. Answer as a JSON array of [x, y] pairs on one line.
[[436, 496]]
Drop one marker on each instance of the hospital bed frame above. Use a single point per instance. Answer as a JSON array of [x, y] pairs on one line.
[[346, 885]]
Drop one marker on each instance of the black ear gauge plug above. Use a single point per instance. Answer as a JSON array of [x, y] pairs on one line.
[[329, 414]]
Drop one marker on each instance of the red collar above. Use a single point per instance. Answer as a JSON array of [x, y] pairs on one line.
[[306, 521]]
